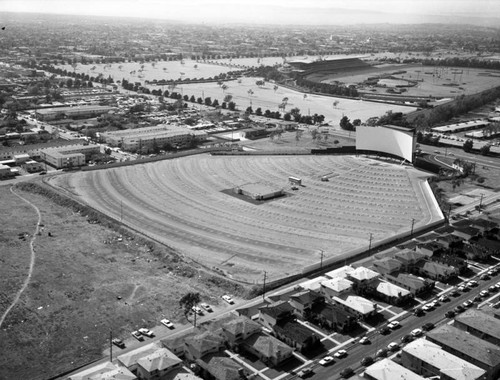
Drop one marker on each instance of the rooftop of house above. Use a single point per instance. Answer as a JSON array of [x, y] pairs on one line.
[[224, 368], [242, 325], [436, 268], [363, 274], [332, 313], [480, 321], [392, 290], [277, 310], [340, 272], [410, 280], [386, 369], [360, 304], [160, 360], [104, 371], [294, 331], [205, 341], [268, 345], [313, 284], [468, 230], [467, 344], [448, 364], [306, 297], [388, 264], [337, 284], [132, 357], [409, 255]]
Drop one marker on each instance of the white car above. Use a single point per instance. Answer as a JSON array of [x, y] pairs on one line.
[[228, 299], [364, 340], [416, 332], [393, 346], [428, 307], [443, 298], [340, 353], [206, 306], [167, 323], [393, 325], [483, 293], [326, 360], [197, 310], [146, 332], [472, 283]]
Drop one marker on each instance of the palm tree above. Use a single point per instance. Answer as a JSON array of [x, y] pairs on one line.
[[187, 302]]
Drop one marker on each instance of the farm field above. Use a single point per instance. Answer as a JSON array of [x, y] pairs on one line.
[[87, 280], [180, 202]]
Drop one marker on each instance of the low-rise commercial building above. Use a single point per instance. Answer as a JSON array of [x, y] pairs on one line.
[[77, 112], [480, 324], [386, 369], [68, 157]]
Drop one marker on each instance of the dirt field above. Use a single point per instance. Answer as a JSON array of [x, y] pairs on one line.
[[181, 203], [64, 317]]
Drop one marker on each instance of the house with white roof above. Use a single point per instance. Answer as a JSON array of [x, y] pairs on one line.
[[335, 287], [363, 276], [392, 293], [341, 272], [387, 369], [357, 306], [104, 371], [428, 359]]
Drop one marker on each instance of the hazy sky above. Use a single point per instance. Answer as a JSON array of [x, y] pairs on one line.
[[267, 11]]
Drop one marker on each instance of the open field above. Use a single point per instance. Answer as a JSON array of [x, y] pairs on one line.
[[64, 317], [180, 202]]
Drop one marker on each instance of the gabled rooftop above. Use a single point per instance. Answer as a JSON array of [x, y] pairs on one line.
[[360, 304], [391, 290], [132, 357], [363, 274], [341, 272], [242, 325], [204, 341], [269, 346], [306, 297], [104, 371], [337, 284], [160, 360]]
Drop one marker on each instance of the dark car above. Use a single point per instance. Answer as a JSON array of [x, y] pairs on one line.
[[366, 361], [454, 293], [484, 277], [42, 172], [406, 338], [118, 342], [306, 372], [347, 372], [418, 312], [459, 309], [428, 326], [449, 314], [382, 353], [385, 330]]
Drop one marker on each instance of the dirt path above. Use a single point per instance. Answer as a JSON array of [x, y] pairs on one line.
[[32, 260]]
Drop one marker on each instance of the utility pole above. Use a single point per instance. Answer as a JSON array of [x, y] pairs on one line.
[[370, 245], [481, 202], [412, 224], [264, 287], [110, 346], [121, 211], [321, 262]]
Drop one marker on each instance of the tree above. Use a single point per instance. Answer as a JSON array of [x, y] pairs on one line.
[[215, 103], [231, 106], [228, 98], [345, 123], [187, 302], [258, 111], [468, 144], [485, 150], [356, 122], [249, 110]]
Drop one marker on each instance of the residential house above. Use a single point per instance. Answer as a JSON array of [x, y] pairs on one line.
[[430, 248], [176, 343], [341, 272], [335, 287], [466, 232], [468, 347], [221, 368], [448, 241], [334, 318], [429, 360], [304, 301], [387, 265], [386, 369], [105, 370], [392, 293], [268, 349], [482, 325], [409, 259], [296, 335], [130, 359], [158, 365], [271, 314], [437, 271], [313, 284], [203, 344], [363, 276], [491, 246], [415, 285], [357, 306], [474, 252], [238, 330]]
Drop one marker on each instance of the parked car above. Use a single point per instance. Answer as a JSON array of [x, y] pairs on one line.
[[484, 293], [484, 277], [493, 289], [459, 309], [228, 299], [118, 342], [340, 354], [454, 293], [305, 373], [428, 306], [428, 326], [416, 332], [406, 338], [364, 340], [366, 361], [146, 332], [393, 346], [326, 361], [463, 288], [385, 330], [468, 303], [137, 335], [492, 272], [418, 312], [444, 298], [347, 372], [197, 310], [167, 323], [472, 283], [393, 325], [382, 353], [206, 306], [449, 314]]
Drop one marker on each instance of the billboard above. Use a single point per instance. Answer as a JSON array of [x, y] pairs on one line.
[[394, 140]]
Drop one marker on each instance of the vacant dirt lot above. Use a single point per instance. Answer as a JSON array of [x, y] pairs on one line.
[[181, 202], [64, 317]]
